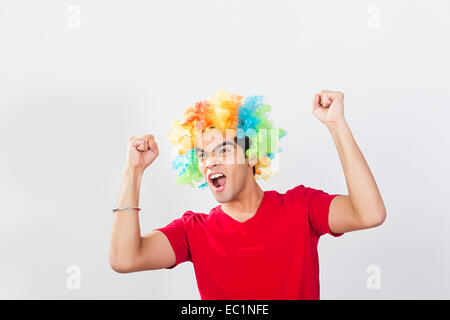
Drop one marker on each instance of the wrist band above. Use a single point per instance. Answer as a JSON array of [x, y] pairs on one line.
[[126, 208]]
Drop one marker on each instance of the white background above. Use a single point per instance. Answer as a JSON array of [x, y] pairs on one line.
[[78, 77]]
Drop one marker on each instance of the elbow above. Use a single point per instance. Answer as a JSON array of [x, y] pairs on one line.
[[381, 215], [381, 218], [378, 216], [118, 266], [378, 219]]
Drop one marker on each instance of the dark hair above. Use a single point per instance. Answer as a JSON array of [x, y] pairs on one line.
[[245, 144]]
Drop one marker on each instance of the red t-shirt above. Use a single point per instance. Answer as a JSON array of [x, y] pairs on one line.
[[271, 256]]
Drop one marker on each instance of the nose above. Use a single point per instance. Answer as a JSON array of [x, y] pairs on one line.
[[211, 162]]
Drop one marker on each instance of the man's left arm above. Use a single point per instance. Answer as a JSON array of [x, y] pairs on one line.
[[363, 207]]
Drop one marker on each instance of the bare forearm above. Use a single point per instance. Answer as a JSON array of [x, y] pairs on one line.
[[126, 234], [362, 188]]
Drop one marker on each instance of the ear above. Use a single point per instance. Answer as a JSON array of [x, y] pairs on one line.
[[252, 161]]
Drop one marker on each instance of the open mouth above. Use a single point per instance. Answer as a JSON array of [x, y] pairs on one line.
[[217, 181]]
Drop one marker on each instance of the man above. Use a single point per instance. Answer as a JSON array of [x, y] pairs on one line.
[[257, 244]]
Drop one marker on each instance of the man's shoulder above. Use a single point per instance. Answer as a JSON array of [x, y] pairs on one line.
[[291, 191], [193, 217], [290, 196], [302, 189]]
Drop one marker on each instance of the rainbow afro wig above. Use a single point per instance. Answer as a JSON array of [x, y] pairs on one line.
[[224, 111]]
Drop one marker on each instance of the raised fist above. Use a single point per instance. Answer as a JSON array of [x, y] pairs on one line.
[[142, 151], [328, 107]]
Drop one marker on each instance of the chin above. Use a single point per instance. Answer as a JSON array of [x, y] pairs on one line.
[[222, 197]]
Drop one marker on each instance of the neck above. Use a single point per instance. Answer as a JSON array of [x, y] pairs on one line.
[[246, 203]]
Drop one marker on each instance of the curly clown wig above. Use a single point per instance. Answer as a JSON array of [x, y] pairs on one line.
[[224, 111]]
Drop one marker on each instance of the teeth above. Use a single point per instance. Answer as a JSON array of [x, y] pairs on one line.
[[216, 175]]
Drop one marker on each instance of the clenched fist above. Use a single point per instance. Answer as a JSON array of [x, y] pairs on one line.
[[328, 107], [142, 151]]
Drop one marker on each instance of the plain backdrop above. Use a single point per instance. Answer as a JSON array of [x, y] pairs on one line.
[[77, 78]]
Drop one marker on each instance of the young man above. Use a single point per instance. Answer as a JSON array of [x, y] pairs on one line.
[[257, 244]]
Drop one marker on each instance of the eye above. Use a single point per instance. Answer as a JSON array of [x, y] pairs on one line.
[[223, 150], [201, 155]]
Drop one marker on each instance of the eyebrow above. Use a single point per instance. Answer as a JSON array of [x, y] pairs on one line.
[[216, 147]]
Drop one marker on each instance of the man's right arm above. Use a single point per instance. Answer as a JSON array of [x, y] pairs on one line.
[[129, 251]]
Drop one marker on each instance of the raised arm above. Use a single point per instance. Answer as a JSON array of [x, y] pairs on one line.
[[129, 251], [363, 207]]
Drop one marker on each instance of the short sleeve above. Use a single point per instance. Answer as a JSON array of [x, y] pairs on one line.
[[177, 235], [318, 207]]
